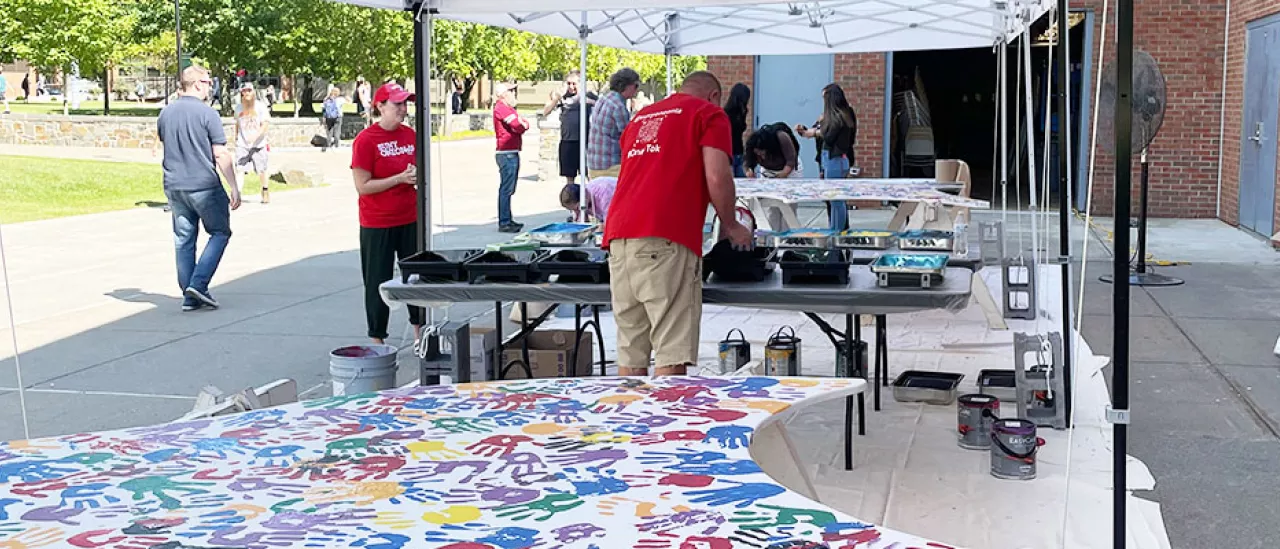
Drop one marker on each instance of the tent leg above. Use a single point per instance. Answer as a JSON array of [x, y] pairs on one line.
[[1064, 194], [1120, 269], [583, 198], [422, 114]]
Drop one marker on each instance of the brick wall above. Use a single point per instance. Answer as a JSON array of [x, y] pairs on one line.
[[1242, 12], [732, 69], [1185, 38], [861, 75]]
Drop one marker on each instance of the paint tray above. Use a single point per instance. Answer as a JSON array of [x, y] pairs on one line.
[[926, 239], [437, 265], [870, 239], [1002, 384], [927, 387], [563, 234], [585, 265], [730, 265], [516, 266], [909, 270], [814, 266], [803, 238]]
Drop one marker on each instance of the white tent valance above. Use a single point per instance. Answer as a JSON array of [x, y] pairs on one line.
[[720, 27]]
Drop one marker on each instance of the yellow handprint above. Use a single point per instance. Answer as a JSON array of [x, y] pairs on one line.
[[771, 406], [32, 538], [394, 520], [797, 382], [456, 514], [360, 493], [434, 450], [542, 428]]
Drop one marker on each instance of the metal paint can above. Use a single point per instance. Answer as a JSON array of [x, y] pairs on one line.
[[782, 353], [975, 414], [1013, 449], [734, 352]]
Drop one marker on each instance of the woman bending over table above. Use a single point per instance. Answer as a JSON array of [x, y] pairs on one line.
[[384, 167], [772, 151], [836, 131]]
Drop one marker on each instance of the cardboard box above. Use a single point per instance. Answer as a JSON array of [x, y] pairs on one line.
[[549, 352], [484, 344]]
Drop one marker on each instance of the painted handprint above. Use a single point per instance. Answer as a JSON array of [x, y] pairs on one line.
[[740, 494], [455, 425], [160, 486], [498, 445], [251, 417], [384, 422], [434, 450], [593, 481], [276, 456], [650, 419], [670, 436], [730, 436], [332, 415], [613, 404], [709, 520], [251, 487], [752, 387], [32, 538], [511, 537], [436, 469], [602, 458], [503, 418], [562, 411], [375, 467], [520, 463], [771, 516], [574, 533], [394, 442], [89, 496], [541, 509]]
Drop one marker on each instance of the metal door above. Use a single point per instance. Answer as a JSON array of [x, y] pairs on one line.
[[788, 88], [1261, 117]]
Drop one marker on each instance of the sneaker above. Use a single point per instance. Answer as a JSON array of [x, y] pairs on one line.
[[511, 228], [188, 306], [202, 297]]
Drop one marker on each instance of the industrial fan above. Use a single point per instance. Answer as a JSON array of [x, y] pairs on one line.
[[1148, 114]]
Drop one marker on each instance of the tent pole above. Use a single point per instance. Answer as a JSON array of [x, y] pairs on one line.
[[1120, 270], [1032, 175], [583, 111], [669, 75], [422, 113], [1064, 194], [1004, 141]]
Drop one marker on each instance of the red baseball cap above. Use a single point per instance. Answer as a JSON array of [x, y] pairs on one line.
[[392, 92]]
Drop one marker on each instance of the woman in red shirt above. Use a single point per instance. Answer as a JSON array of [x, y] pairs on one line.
[[384, 167]]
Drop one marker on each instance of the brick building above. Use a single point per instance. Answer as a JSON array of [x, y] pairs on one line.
[[1195, 170]]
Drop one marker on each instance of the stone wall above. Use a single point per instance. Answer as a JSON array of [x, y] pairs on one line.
[[549, 149], [140, 132]]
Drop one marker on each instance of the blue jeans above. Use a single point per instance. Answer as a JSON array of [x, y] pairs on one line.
[[508, 172], [836, 168], [212, 208], [738, 171]]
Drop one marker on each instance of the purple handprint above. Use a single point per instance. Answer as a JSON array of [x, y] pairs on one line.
[[53, 513], [251, 486], [383, 422], [257, 540], [245, 419], [292, 520], [680, 520], [562, 411], [332, 415], [577, 532], [437, 468], [520, 463], [603, 458]]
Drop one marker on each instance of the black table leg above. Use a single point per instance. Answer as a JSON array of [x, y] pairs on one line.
[[848, 401], [595, 317], [861, 371], [577, 338], [882, 356], [498, 369]]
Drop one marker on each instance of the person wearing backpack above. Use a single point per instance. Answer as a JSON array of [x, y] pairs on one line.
[[332, 112], [773, 152]]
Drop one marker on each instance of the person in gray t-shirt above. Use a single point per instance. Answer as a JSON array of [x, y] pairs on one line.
[[195, 149]]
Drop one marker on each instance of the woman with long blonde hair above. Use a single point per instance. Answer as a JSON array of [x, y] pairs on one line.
[[252, 120]]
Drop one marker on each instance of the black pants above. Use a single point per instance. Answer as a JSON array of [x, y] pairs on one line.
[[379, 249]]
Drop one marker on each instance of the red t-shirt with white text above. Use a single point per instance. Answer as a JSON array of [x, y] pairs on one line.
[[662, 186], [384, 154]]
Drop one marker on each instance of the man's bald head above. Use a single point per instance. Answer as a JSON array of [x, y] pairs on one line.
[[191, 76], [702, 84]]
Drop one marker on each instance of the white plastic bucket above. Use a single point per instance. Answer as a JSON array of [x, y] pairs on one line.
[[362, 369]]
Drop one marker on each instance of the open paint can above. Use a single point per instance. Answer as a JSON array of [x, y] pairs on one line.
[[975, 414]]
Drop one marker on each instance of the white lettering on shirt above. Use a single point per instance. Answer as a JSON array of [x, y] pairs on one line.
[[392, 148]]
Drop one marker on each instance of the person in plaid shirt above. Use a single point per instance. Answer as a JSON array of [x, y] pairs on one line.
[[610, 117]]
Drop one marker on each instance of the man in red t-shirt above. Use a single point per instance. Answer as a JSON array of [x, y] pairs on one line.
[[508, 128], [675, 160]]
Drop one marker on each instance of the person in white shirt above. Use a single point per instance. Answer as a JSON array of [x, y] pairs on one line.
[[252, 121]]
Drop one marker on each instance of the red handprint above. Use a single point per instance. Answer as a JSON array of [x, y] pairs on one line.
[[498, 445]]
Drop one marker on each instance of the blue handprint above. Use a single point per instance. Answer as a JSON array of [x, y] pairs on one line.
[[161, 455], [511, 538], [4, 515], [217, 445], [632, 429], [562, 411], [387, 541], [742, 494], [730, 436], [594, 482], [505, 419], [427, 404], [681, 455], [88, 496], [752, 387], [34, 470], [722, 468], [277, 456], [254, 416], [383, 422]]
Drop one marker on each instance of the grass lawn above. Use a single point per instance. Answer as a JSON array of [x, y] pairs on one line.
[[33, 188], [152, 109]]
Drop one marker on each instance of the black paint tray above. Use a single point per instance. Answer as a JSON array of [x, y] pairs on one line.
[[730, 265], [437, 265], [927, 387], [576, 265], [512, 266], [814, 266]]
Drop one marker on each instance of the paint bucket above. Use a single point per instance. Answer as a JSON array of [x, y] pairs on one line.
[[734, 352], [975, 414], [1013, 449], [782, 353], [362, 369]]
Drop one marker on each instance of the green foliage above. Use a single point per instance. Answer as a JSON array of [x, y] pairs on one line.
[[53, 33]]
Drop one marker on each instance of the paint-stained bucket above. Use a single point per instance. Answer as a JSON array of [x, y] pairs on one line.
[[975, 414], [782, 353], [362, 369], [1013, 449], [734, 352]]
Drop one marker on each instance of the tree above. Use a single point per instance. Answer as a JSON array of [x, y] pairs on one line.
[[56, 33], [465, 51]]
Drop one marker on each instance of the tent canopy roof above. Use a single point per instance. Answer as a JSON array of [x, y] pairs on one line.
[[754, 27]]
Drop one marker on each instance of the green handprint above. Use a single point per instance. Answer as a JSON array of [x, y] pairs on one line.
[[754, 520], [348, 447], [463, 424], [341, 400], [547, 507], [159, 485]]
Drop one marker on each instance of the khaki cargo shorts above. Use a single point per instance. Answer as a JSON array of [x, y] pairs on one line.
[[657, 301]]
